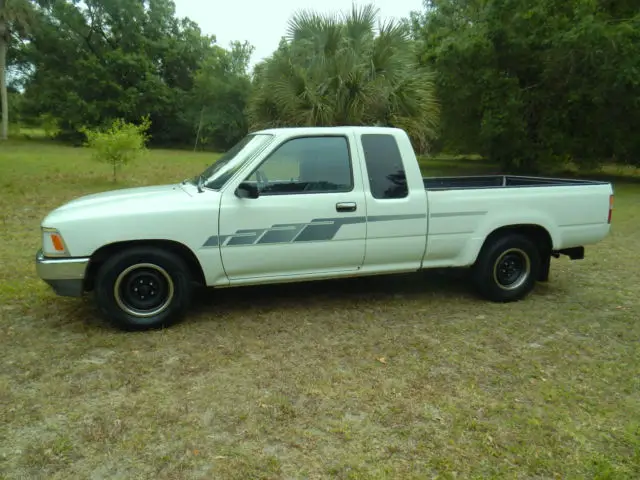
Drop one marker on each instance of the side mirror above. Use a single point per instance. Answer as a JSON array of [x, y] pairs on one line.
[[247, 190]]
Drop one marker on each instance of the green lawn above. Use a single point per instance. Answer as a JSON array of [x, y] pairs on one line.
[[378, 378]]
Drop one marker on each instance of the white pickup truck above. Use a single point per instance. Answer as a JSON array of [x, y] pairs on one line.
[[297, 204]]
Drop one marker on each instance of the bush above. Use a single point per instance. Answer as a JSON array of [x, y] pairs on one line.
[[120, 144], [50, 125]]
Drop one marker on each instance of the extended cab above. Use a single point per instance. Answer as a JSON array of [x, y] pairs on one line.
[[295, 204]]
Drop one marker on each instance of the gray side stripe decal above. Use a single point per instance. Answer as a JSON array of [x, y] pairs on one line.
[[318, 229], [384, 218], [457, 214], [214, 241]]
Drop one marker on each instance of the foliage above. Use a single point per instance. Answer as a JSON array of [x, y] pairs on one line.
[[333, 70], [105, 59], [221, 88], [120, 144], [527, 84], [49, 124], [16, 17], [15, 106]]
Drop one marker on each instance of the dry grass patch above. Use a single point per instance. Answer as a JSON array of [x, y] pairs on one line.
[[389, 377]]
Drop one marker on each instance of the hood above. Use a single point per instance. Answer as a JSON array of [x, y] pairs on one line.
[[126, 200], [124, 195]]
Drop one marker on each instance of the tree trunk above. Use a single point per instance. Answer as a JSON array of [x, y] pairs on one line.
[[199, 129], [4, 98]]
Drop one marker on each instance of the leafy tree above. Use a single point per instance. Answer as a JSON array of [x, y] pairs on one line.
[[332, 70], [530, 85], [219, 96], [94, 61], [120, 144], [15, 18]]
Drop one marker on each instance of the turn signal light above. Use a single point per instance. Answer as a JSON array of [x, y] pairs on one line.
[[56, 240], [52, 243]]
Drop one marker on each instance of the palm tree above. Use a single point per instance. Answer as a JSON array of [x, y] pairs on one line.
[[14, 15], [332, 70]]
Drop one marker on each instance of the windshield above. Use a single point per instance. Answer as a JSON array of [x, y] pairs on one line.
[[217, 174]]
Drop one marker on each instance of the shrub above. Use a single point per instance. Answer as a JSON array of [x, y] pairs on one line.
[[50, 125], [119, 144]]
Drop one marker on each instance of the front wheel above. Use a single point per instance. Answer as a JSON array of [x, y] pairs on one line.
[[507, 268], [142, 288]]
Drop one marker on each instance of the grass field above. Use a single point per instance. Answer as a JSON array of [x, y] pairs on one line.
[[407, 377]]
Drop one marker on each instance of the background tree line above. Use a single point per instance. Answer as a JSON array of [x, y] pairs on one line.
[[530, 84], [526, 84]]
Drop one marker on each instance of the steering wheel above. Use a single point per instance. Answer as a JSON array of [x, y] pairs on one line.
[[262, 179]]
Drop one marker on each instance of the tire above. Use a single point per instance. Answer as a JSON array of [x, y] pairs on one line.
[[164, 279], [507, 268]]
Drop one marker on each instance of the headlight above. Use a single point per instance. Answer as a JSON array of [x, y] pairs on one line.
[[52, 243]]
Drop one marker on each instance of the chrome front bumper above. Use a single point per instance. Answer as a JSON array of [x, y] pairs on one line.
[[64, 275]]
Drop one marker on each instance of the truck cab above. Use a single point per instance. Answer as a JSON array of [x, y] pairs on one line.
[[318, 200]]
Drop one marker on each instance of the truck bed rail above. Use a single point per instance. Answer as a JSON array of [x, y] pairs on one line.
[[500, 181]]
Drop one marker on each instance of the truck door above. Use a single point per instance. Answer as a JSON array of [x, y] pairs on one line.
[[396, 203], [309, 217]]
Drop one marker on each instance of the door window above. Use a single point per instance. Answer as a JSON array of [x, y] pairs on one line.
[[306, 165], [387, 178]]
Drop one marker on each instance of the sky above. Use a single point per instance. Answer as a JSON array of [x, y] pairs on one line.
[[264, 22]]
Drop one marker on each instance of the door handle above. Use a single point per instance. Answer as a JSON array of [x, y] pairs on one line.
[[346, 207]]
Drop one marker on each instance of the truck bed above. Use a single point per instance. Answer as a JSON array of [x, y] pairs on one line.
[[499, 181]]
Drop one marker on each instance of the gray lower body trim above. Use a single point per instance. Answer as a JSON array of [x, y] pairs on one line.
[[67, 288], [64, 275]]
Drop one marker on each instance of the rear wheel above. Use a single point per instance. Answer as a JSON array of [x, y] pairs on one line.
[[142, 288], [507, 268]]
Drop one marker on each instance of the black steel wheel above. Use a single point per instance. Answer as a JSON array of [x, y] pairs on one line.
[[511, 269], [142, 288], [507, 268]]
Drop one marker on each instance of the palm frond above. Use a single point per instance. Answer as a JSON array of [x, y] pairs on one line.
[[341, 71], [359, 26], [305, 24]]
